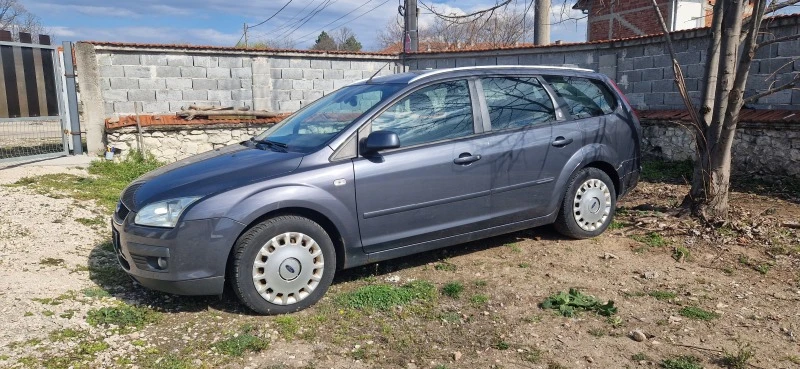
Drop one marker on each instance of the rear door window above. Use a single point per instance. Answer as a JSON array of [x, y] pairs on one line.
[[515, 102], [585, 97], [433, 113]]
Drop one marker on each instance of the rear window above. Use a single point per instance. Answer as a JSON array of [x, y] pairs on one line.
[[517, 102], [585, 97]]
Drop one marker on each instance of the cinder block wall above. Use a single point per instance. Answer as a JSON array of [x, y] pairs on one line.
[[642, 66]]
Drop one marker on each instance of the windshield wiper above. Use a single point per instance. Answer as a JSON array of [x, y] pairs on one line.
[[277, 146]]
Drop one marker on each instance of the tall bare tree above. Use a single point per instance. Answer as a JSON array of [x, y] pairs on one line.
[[14, 15], [737, 32]]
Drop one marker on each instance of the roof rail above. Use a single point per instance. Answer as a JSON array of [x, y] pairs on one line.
[[540, 67]]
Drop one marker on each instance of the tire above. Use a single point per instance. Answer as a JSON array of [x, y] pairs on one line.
[[588, 206], [282, 265]]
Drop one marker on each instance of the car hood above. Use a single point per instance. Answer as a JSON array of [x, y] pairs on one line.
[[209, 173]]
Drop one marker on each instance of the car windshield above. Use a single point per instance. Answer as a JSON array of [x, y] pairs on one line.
[[316, 124]]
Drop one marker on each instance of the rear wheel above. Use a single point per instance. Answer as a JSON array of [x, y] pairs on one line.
[[588, 206], [283, 265]]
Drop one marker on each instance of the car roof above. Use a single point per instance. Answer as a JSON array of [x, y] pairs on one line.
[[431, 74]]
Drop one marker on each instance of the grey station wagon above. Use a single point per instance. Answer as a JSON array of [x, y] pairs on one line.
[[382, 168]]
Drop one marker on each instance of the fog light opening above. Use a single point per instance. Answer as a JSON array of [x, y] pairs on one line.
[[162, 263]]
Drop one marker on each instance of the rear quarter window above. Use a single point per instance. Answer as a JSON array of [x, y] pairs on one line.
[[585, 97]]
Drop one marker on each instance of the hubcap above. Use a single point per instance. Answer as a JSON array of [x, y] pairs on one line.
[[592, 205], [288, 268]]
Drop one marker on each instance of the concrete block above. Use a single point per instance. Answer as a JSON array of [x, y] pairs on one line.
[[247, 83], [299, 63], [673, 100], [142, 95], [179, 83], [323, 85], [108, 108], [152, 83], [662, 61], [694, 71], [339, 83], [341, 64], [114, 95], [180, 60], [241, 72], [664, 85], [135, 71], [553, 59], [530, 59], [194, 72], [465, 62], [633, 52], [247, 62], [218, 73], [242, 95], [230, 62], [229, 84], [642, 87], [634, 76], [112, 71], [105, 83], [124, 83], [653, 99], [282, 84], [205, 61], [351, 74], [643, 63], [296, 95], [124, 108], [103, 59], [262, 80], [688, 58], [508, 60], [779, 98], [278, 95], [153, 59], [291, 73], [168, 71], [313, 74], [124, 59], [303, 85], [312, 95], [274, 73], [320, 64], [176, 106], [426, 64], [204, 84], [194, 95], [583, 58], [155, 107], [169, 95], [219, 95], [445, 63], [289, 106], [280, 63], [653, 74], [333, 74]]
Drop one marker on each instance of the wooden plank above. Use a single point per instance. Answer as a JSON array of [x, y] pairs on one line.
[[10, 79], [44, 40], [6, 36], [31, 87], [25, 38], [41, 91], [22, 90], [50, 81], [3, 98]]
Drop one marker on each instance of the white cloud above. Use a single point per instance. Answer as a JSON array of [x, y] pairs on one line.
[[90, 10]]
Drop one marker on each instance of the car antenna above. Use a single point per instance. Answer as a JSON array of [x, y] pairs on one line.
[[376, 73]]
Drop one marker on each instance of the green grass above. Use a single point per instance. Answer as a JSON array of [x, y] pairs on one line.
[[681, 254], [287, 326], [238, 344], [697, 313], [93, 222], [123, 316], [738, 359], [532, 356], [597, 332], [660, 171], [479, 299], [108, 179], [761, 268], [662, 295], [170, 361], [651, 239], [453, 289], [95, 292], [501, 345], [639, 357], [569, 303], [615, 225], [384, 296], [682, 362], [51, 262], [445, 266]]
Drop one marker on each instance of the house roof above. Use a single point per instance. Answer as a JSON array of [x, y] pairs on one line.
[[582, 5]]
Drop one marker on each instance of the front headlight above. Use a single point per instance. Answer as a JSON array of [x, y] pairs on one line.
[[164, 213]]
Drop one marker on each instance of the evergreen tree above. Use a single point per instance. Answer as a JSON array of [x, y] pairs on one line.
[[351, 44], [324, 42]]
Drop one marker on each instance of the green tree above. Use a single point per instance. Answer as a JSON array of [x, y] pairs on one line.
[[324, 42], [351, 44]]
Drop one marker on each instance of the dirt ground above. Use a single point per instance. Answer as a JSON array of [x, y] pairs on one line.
[[56, 270]]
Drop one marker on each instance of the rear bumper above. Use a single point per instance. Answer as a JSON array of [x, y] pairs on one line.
[[189, 259]]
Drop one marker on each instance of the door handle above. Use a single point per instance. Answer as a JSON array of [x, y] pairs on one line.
[[466, 158], [561, 141]]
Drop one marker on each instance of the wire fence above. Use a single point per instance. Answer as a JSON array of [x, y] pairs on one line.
[[26, 138]]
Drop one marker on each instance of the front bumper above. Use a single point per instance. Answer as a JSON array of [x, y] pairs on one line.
[[189, 259]]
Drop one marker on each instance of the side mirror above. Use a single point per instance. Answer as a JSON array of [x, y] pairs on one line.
[[381, 140]]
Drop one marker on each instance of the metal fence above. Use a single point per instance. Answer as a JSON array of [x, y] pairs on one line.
[[31, 119]]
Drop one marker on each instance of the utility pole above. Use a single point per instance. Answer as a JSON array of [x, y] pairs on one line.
[[411, 36], [244, 27], [541, 28]]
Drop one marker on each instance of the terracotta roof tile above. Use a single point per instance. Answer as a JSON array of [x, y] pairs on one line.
[[174, 120], [228, 48]]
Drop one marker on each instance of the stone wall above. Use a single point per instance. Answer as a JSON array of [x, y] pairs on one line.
[[769, 151], [172, 143], [165, 78], [642, 67]]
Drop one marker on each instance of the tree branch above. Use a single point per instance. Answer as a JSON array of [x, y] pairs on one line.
[[791, 84], [776, 40], [778, 6], [479, 12]]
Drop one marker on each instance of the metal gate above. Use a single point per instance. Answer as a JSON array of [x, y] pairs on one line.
[[32, 124]]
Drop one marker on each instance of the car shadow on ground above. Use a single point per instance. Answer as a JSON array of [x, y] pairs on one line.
[[105, 271]]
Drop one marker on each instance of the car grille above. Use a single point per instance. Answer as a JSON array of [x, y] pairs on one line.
[[121, 213], [129, 196]]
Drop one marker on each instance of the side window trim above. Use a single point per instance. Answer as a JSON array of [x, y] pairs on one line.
[[486, 124], [366, 128], [561, 108]]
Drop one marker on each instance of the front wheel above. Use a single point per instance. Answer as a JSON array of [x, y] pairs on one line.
[[282, 265], [588, 206]]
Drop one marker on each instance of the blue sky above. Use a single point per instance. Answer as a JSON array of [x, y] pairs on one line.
[[219, 22]]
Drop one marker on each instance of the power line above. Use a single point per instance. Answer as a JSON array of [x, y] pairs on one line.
[[361, 15], [336, 20], [273, 16], [286, 23], [313, 13], [479, 12]]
